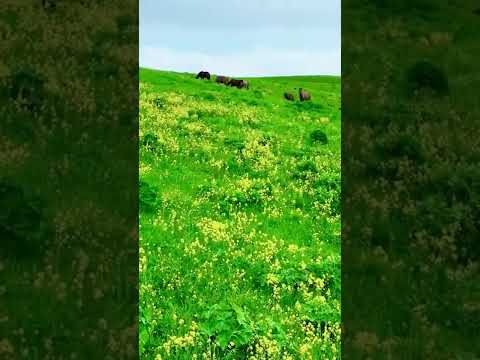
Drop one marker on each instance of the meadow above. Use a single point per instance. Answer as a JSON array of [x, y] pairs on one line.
[[239, 219]]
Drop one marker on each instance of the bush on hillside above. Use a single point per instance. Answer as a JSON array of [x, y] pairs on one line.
[[148, 196], [27, 87], [149, 141], [23, 226], [304, 170], [318, 137], [424, 74]]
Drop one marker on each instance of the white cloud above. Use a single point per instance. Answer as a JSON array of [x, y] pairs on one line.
[[241, 13], [258, 62]]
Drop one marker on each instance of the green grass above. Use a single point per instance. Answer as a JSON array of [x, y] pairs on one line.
[[239, 219]]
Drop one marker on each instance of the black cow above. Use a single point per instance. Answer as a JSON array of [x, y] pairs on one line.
[[203, 75]]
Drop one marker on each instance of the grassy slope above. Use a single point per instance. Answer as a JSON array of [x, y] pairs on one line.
[[239, 221]]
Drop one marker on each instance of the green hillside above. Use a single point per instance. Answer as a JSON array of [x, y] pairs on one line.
[[239, 218]]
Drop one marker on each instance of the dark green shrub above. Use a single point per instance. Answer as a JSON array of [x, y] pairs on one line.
[[307, 166], [159, 103], [28, 88], [318, 137], [304, 170], [255, 197], [424, 74], [224, 323], [403, 146], [148, 196], [149, 141], [23, 225]]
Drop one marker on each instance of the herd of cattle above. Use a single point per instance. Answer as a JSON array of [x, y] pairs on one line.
[[244, 84], [241, 84]]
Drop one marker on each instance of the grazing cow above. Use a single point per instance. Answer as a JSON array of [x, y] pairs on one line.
[[203, 75], [223, 80], [304, 95], [288, 96], [235, 82], [238, 83]]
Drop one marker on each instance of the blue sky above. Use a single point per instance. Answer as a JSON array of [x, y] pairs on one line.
[[241, 37]]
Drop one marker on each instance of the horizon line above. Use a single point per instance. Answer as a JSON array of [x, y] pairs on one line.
[[247, 76]]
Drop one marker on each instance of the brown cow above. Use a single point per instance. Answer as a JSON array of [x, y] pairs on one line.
[[304, 95], [235, 82], [222, 80], [203, 75], [238, 83], [289, 96]]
